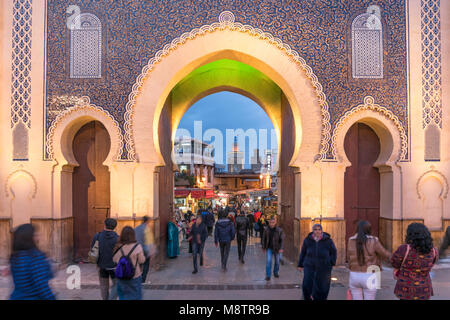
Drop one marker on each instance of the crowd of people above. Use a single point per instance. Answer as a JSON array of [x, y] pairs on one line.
[[124, 261]]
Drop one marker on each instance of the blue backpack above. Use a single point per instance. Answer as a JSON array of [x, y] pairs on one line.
[[125, 269]]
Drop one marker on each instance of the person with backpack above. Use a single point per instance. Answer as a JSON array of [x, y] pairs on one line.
[[317, 256], [107, 240], [412, 264], [129, 256], [241, 234], [198, 235], [224, 233], [30, 268], [364, 251]]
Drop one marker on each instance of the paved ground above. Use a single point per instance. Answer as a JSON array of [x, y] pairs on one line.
[[241, 282]]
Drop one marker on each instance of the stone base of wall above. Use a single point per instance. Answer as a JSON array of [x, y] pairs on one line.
[[5, 240], [55, 238], [392, 233], [335, 227]]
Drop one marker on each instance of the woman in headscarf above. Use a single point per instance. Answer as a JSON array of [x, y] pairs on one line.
[[317, 258]]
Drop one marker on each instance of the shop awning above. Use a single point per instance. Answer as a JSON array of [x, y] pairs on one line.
[[198, 194], [210, 194], [182, 193]]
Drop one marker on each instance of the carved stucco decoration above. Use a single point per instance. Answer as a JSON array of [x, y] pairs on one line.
[[437, 174], [369, 104], [83, 106], [9, 179], [226, 21]]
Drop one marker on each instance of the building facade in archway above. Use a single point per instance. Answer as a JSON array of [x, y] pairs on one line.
[[327, 74]]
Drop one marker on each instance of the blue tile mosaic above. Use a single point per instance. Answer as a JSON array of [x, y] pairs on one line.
[[319, 30]]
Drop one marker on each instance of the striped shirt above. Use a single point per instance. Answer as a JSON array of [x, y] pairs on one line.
[[31, 272]]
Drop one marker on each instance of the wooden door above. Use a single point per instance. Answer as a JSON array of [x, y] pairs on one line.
[[90, 185], [362, 179]]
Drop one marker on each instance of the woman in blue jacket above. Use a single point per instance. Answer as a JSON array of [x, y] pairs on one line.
[[30, 268], [317, 258]]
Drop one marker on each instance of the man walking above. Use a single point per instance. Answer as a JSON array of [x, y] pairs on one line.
[[241, 234], [251, 220], [273, 241], [141, 232], [106, 241], [210, 221], [224, 233], [198, 235]]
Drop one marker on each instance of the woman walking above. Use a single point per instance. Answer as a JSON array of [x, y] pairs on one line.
[[317, 257], [30, 268], [363, 252], [129, 256], [412, 264]]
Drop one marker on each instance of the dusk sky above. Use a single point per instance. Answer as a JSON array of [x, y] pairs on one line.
[[228, 110]]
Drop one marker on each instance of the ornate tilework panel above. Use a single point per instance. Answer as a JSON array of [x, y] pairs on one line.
[[21, 63], [367, 46], [134, 30], [86, 47], [431, 63]]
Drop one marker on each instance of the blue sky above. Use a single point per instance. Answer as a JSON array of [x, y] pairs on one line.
[[228, 110]]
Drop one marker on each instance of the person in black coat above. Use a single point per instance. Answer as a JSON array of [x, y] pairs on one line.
[[224, 233], [241, 234], [317, 258], [198, 235], [209, 221]]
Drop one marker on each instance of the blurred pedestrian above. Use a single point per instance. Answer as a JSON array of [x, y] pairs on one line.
[[30, 269], [445, 243], [142, 238]]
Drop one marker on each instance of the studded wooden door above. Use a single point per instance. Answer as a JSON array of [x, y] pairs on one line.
[[90, 185], [362, 179]]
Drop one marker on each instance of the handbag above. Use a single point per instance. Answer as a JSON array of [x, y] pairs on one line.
[[94, 252], [396, 271]]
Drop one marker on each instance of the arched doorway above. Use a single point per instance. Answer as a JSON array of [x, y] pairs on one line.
[[90, 185], [362, 179], [236, 77]]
